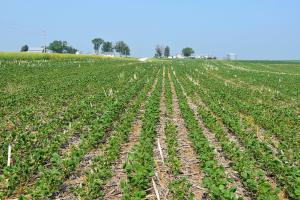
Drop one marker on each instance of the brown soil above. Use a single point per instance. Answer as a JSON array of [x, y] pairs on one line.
[[73, 141]]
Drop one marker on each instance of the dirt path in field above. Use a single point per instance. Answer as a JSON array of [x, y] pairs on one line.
[[78, 176], [190, 164], [112, 189], [163, 175], [219, 155], [233, 138]]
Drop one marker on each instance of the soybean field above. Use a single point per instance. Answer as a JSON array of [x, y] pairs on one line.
[[82, 127]]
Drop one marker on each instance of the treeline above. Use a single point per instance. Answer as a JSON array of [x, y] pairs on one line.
[[164, 51], [108, 47], [59, 46]]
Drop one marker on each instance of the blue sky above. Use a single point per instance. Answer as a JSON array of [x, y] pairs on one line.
[[253, 29]]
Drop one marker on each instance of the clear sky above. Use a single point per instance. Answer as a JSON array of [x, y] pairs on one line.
[[253, 29]]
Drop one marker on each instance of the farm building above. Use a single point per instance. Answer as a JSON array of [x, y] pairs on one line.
[[180, 56], [37, 50], [108, 54]]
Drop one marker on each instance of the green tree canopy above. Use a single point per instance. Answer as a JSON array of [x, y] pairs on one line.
[[122, 48], [167, 52], [69, 49], [187, 52], [24, 48], [97, 42], [159, 51], [107, 47], [59, 46], [127, 51]]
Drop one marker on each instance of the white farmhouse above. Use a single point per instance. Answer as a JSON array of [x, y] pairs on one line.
[[108, 54], [36, 50], [39, 50]]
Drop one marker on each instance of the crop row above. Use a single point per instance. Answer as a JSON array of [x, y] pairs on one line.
[[252, 177], [215, 178], [279, 122], [35, 148], [101, 169], [287, 176], [52, 108], [140, 164], [171, 132], [52, 178], [90, 114], [179, 187]]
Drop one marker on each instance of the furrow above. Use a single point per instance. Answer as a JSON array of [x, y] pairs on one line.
[[219, 155], [233, 138], [255, 127], [77, 177], [112, 188], [162, 175], [190, 164]]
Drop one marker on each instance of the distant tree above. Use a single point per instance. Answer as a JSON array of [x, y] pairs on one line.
[[24, 48], [69, 49], [59, 46], [127, 51], [159, 51], [167, 52], [122, 48], [187, 52], [119, 47], [107, 47], [97, 42]]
